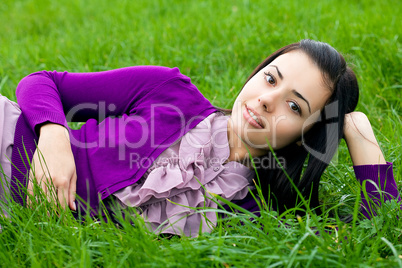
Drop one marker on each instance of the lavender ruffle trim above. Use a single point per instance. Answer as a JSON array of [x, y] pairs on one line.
[[175, 192]]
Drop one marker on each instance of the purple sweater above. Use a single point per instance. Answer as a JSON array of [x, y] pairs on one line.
[[130, 111]]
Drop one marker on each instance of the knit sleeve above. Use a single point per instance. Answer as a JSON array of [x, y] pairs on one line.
[[61, 97], [378, 183]]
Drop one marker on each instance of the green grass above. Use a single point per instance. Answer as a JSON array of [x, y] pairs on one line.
[[217, 44]]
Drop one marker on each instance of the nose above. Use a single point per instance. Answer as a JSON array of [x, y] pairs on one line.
[[269, 100]]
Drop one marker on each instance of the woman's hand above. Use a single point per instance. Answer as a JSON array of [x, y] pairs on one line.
[[362, 144], [53, 166]]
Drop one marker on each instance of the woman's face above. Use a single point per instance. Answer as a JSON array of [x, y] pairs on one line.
[[275, 104]]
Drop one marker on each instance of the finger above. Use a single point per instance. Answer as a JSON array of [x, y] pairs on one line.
[[62, 194], [42, 176], [48, 189], [31, 189], [72, 191]]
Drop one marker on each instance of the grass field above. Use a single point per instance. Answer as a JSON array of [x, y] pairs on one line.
[[217, 44]]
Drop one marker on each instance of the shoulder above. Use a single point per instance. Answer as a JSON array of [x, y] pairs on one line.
[[176, 97], [173, 86], [158, 74]]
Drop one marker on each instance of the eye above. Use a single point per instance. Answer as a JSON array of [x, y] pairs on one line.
[[270, 79], [294, 107]]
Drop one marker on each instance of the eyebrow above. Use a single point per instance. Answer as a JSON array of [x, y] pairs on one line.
[[279, 73], [301, 97]]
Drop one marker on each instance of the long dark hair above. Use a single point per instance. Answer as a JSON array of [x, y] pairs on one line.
[[306, 164]]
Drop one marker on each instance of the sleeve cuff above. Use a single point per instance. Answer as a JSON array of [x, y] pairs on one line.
[[379, 184]]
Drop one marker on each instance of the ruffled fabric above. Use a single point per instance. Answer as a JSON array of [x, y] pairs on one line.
[[175, 191]]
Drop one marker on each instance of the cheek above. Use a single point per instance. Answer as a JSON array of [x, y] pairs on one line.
[[249, 91]]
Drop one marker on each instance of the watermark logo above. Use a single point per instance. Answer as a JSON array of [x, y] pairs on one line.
[[128, 132]]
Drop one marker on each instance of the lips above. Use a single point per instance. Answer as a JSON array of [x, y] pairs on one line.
[[252, 117]]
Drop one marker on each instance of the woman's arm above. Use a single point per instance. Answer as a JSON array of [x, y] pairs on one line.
[[61, 97], [49, 100], [371, 169], [362, 144]]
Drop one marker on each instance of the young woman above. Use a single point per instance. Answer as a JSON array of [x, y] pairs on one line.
[[152, 141]]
